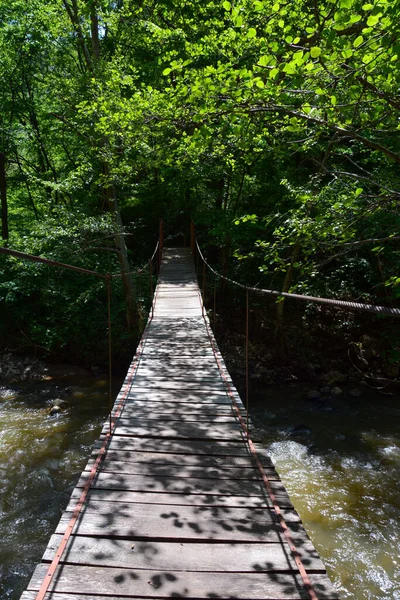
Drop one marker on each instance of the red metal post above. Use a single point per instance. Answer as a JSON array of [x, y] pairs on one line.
[[215, 303], [247, 362], [160, 242], [151, 278]]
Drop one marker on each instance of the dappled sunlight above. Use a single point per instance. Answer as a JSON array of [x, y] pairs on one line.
[[178, 508]]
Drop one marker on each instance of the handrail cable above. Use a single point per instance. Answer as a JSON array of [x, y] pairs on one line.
[[142, 269], [52, 263], [383, 310], [83, 271]]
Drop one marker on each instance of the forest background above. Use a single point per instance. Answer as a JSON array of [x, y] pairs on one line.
[[273, 125]]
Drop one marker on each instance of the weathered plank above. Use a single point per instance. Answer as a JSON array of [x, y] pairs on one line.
[[192, 485], [209, 557], [175, 469], [180, 395], [166, 383], [178, 460], [183, 372], [138, 408], [164, 584], [132, 521], [175, 429], [149, 419], [179, 499], [205, 447]]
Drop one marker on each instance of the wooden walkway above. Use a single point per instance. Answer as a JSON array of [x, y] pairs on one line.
[[178, 508]]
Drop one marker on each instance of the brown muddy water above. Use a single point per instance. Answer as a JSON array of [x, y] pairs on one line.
[[339, 459]]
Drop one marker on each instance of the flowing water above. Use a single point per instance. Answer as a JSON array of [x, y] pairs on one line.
[[41, 458], [339, 460]]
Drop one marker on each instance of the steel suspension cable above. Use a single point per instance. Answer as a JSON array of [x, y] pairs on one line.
[[143, 268], [382, 310]]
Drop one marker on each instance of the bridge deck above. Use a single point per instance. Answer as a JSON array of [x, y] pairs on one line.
[[178, 508]]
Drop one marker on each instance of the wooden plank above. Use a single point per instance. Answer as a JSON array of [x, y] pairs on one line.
[[189, 512], [161, 352], [160, 458], [140, 408], [193, 485], [209, 557], [214, 448], [175, 429], [164, 584], [152, 361], [214, 397], [181, 372], [179, 499], [180, 380], [178, 396], [155, 383], [165, 470], [158, 522], [148, 419]]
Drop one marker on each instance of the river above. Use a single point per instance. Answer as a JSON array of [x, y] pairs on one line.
[[338, 458]]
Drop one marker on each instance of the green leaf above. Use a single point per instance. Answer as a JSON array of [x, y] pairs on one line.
[[367, 6], [333, 100], [167, 71], [260, 83], [276, 7], [251, 33], [315, 52], [227, 5], [359, 191], [358, 41], [263, 61], [373, 20], [347, 53]]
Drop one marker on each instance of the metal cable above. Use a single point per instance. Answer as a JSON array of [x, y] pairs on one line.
[[382, 310], [52, 263], [142, 269]]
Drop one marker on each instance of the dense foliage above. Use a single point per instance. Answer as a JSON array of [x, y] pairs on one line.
[[274, 125]]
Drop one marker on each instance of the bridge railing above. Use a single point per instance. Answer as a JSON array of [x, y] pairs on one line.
[[150, 268], [107, 278], [198, 256]]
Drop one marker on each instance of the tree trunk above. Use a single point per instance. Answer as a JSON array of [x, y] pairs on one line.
[[3, 196], [74, 17], [279, 320], [28, 189], [127, 282], [122, 252], [94, 25]]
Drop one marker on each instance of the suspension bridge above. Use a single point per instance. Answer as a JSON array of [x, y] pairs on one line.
[[178, 498]]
